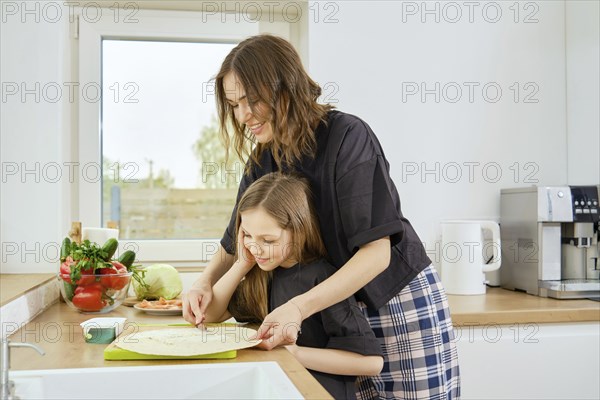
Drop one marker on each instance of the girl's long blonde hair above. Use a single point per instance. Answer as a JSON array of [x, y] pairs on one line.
[[288, 200], [271, 72]]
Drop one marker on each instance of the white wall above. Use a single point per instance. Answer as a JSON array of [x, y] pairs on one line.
[[374, 51], [583, 96], [35, 136], [362, 61]]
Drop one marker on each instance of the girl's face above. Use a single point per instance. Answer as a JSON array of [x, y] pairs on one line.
[[236, 97], [270, 245]]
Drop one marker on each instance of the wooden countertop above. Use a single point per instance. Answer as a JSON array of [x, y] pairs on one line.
[[15, 285], [501, 306], [58, 332]]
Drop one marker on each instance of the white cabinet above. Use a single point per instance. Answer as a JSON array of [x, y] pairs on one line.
[[530, 361]]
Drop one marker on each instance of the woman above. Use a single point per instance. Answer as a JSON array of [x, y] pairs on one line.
[[270, 103]]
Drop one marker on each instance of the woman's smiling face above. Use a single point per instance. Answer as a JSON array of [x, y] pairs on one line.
[[236, 97], [269, 244]]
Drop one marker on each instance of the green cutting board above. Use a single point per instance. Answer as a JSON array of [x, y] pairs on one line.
[[114, 353]]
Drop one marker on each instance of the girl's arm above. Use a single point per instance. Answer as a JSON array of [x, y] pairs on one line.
[[338, 362], [368, 262], [223, 290], [200, 295]]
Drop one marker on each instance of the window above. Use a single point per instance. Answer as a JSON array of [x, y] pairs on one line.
[[164, 171], [153, 144]]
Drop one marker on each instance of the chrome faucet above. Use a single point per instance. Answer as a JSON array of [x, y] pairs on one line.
[[6, 386]]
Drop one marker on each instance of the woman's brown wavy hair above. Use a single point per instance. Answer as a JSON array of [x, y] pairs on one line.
[[271, 72], [288, 200]]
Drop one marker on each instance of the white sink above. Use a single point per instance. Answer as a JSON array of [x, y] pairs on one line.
[[256, 380]]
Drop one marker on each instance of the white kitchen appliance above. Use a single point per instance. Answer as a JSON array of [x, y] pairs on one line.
[[550, 235], [466, 255]]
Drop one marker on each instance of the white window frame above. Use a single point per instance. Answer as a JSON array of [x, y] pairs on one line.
[[187, 26]]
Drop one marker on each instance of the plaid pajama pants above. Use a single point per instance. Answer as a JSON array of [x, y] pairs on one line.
[[416, 335]]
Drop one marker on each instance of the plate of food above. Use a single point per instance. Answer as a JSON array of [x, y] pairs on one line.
[[161, 307]]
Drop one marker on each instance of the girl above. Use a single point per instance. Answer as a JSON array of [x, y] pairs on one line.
[[277, 231], [269, 113]]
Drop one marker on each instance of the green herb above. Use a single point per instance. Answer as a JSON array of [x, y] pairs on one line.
[[138, 274], [88, 256]]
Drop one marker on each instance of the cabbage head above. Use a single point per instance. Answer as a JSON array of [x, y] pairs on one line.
[[160, 280]]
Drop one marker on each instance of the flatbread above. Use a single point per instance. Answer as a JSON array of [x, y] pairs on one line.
[[188, 341]]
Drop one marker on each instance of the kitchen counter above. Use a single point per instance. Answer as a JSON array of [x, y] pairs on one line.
[[506, 307], [503, 331], [15, 285], [57, 331]]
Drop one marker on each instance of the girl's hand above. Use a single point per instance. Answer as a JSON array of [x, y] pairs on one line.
[[196, 301], [280, 327]]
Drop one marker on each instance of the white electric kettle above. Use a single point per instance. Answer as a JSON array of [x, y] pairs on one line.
[[462, 255]]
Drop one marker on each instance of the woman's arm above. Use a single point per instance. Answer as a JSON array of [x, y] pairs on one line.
[[223, 290], [368, 262], [199, 297], [338, 362]]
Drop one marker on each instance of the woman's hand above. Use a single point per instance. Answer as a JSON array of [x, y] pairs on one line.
[[196, 301], [281, 326], [292, 348]]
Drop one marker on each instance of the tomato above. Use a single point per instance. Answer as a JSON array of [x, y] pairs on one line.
[[111, 278], [91, 286], [107, 279], [119, 282], [89, 299], [65, 273], [87, 277], [65, 269], [120, 267]]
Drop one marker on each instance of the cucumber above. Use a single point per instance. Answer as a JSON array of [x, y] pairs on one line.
[[65, 249], [110, 248], [69, 290], [127, 259]]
